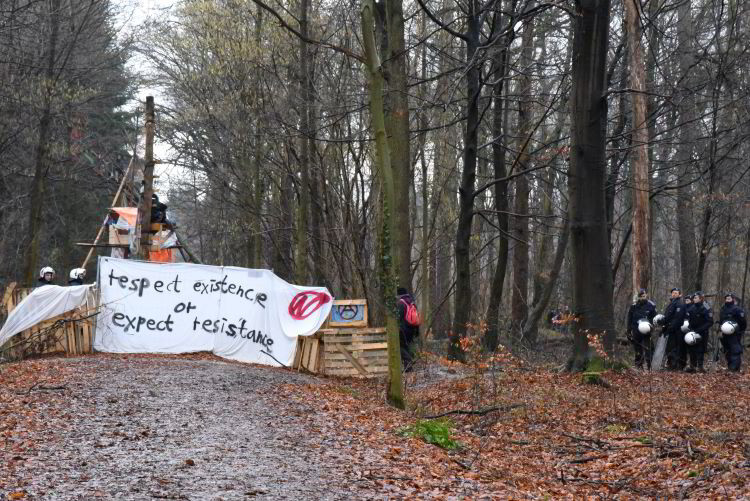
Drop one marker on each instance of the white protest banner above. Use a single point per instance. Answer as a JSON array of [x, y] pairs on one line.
[[238, 313]]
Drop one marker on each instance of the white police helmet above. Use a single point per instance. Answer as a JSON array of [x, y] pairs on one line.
[[644, 327], [692, 337], [658, 318], [685, 326], [77, 273], [728, 328], [45, 270]]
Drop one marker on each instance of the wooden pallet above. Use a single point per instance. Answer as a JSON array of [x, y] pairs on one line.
[[62, 334], [309, 354], [355, 351], [361, 352]]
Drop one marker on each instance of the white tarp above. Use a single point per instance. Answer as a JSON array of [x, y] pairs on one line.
[[238, 313], [42, 304]]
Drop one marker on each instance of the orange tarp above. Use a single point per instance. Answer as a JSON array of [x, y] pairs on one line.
[[130, 214]]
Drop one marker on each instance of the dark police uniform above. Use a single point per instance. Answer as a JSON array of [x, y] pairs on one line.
[[643, 309], [732, 343], [700, 318], [674, 316]]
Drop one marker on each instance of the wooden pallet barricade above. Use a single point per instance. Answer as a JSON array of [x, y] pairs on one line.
[[62, 334], [355, 351], [345, 345], [348, 351]]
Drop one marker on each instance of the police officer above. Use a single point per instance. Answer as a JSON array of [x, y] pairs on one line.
[[700, 320], [682, 347], [46, 276], [640, 326], [76, 276], [732, 325], [674, 315]]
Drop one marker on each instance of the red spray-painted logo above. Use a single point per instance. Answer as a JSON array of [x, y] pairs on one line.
[[306, 303]]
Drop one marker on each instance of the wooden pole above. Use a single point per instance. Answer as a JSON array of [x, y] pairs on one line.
[[104, 223], [144, 208]]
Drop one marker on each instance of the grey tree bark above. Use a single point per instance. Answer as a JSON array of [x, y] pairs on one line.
[[592, 278]]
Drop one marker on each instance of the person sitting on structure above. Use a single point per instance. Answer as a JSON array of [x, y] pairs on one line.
[[158, 208], [46, 276], [159, 212], [76, 276]]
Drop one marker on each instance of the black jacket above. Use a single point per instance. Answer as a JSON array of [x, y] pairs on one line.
[[700, 318], [733, 313], [640, 310], [41, 281], [409, 331], [674, 315]]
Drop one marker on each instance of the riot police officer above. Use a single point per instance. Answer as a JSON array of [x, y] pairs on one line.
[[700, 320], [682, 347], [640, 326], [732, 325], [46, 276], [76, 276], [674, 315]]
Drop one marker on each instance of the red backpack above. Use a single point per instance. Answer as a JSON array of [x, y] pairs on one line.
[[411, 315]]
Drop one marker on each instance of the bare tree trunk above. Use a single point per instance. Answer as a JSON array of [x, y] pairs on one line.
[[303, 210], [499, 127], [705, 229], [463, 309], [395, 392], [747, 264], [617, 159], [42, 149], [531, 327], [592, 277], [397, 125], [544, 237], [639, 155], [284, 241], [424, 244], [723, 282], [520, 293]]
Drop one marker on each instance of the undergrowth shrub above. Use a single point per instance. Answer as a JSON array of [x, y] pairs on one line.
[[433, 431]]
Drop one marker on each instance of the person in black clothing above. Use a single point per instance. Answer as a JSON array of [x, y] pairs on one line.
[[76, 276], [700, 319], [684, 329], [46, 276], [731, 334], [406, 333], [643, 310], [674, 315]]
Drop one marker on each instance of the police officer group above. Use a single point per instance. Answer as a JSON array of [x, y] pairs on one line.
[[686, 324], [47, 276]]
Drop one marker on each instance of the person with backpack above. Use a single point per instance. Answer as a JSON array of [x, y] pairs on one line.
[[408, 326]]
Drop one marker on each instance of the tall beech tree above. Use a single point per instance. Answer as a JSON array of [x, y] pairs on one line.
[[587, 175]]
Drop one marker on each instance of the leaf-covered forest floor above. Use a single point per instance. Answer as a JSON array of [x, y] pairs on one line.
[[196, 427]]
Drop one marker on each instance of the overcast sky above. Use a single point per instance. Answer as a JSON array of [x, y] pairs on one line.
[[133, 13]]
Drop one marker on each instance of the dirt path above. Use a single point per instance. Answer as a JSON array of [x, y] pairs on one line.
[[165, 428]]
